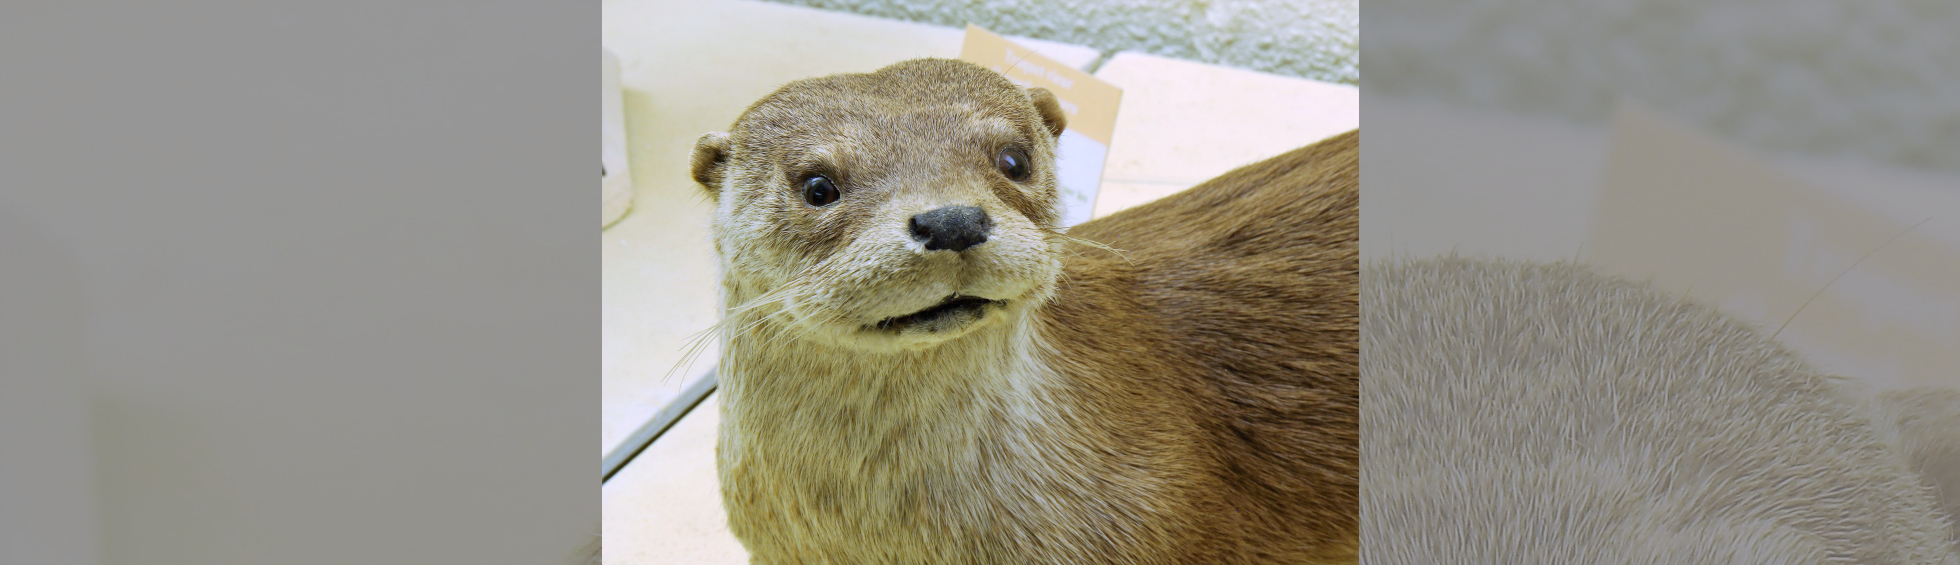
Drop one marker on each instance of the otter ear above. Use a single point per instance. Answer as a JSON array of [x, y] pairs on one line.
[[710, 158], [1050, 108]]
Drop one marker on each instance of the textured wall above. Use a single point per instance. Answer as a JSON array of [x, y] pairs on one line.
[[1877, 78], [1313, 39]]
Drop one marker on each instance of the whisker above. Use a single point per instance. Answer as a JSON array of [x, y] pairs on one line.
[[1847, 270], [1088, 243], [697, 343]]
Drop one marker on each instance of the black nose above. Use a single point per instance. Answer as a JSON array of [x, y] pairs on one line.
[[953, 228]]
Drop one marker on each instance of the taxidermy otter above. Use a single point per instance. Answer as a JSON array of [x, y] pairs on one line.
[[920, 367]]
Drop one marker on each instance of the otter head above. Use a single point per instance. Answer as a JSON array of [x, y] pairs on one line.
[[897, 209]]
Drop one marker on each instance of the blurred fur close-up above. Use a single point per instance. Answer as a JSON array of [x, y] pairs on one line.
[[1544, 413], [1650, 281]]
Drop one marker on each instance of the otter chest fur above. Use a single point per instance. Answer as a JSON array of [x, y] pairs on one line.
[[919, 366]]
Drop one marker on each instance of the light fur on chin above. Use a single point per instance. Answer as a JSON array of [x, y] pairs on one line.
[[899, 429]]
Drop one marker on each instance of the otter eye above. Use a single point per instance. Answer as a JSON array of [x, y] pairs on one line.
[[819, 191], [1013, 162]]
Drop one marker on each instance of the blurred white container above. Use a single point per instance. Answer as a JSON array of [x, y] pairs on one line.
[[615, 180]]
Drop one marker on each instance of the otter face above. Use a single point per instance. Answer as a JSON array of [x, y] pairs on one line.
[[897, 209]]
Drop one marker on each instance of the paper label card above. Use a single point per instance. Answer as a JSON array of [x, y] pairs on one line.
[[1089, 103]]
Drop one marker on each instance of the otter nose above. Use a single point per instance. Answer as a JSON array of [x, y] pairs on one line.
[[952, 228]]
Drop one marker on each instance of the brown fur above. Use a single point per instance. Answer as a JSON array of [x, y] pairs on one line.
[[1190, 399]]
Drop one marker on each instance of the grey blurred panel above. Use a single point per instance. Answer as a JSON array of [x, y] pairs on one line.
[[338, 293]]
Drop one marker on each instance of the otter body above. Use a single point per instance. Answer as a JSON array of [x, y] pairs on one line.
[[919, 367]]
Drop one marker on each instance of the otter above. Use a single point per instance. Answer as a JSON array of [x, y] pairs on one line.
[[920, 366]]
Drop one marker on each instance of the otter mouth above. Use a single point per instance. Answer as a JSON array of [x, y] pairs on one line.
[[955, 308]]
